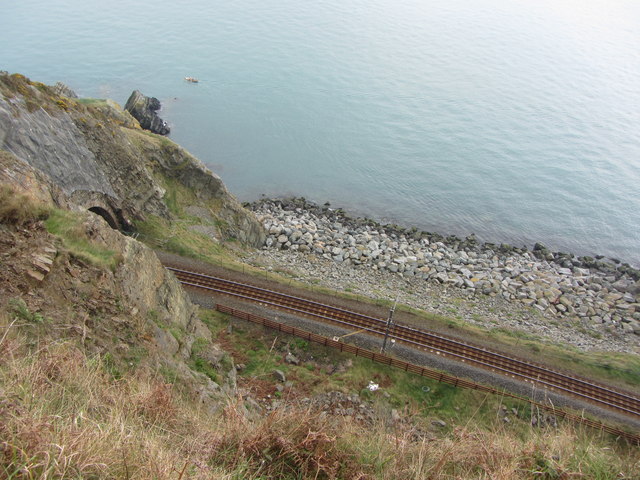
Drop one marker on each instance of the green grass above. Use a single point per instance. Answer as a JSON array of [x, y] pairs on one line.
[[214, 320], [300, 344], [110, 366], [93, 102], [159, 139], [199, 363], [20, 310], [136, 355], [422, 397], [176, 195], [177, 333], [262, 362], [620, 368], [175, 237], [617, 366], [68, 226]]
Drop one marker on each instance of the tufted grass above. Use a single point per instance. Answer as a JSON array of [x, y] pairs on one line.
[[68, 226], [92, 101], [19, 209], [64, 415]]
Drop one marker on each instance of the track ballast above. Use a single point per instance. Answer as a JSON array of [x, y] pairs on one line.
[[440, 345]]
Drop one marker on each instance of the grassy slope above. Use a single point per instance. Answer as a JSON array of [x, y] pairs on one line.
[[619, 369], [65, 415], [68, 228]]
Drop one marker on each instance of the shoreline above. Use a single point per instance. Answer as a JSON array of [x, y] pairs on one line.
[[591, 293], [601, 263]]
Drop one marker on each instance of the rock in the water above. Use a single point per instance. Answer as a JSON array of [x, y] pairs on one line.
[[144, 109]]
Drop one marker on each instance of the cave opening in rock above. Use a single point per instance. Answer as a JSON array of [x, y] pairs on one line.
[[113, 223]]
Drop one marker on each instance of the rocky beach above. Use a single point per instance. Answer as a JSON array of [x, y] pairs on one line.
[[588, 302]]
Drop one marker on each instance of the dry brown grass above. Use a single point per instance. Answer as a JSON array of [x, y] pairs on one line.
[[19, 209], [63, 415], [470, 453], [286, 443]]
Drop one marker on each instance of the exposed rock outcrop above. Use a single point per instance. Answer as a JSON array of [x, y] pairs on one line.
[[144, 109], [64, 90], [135, 312], [98, 155], [30, 181], [53, 144]]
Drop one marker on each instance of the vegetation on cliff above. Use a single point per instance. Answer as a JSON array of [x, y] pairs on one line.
[[107, 370], [99, 156], [102, 376], [65, 415]]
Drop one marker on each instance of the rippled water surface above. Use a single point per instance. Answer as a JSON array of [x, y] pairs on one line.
[[516, 120]]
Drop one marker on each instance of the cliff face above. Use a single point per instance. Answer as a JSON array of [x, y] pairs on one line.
[[98, 155], [129, 307]]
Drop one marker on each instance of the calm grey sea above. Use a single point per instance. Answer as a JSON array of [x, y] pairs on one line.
[[518, 120]]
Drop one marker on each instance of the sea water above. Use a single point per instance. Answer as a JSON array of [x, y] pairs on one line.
[[515, 120]]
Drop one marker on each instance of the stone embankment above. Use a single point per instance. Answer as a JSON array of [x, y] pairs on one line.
[[601, 294]]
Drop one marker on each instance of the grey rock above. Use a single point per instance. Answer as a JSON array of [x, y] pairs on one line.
[[395, 416], [144, 109], [292, 359], [442, 277], [537, 280], [63, 90]]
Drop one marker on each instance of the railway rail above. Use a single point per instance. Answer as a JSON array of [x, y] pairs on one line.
[[423, 371], [536, 374]]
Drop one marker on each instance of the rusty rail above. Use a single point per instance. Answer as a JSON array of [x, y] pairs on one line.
[[510, 366], [422, 371]]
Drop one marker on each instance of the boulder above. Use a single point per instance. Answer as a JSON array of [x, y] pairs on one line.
[[144, 109], [292, 359]]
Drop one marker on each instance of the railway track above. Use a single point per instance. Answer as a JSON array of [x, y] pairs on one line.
[[426, 372], [439, 345]]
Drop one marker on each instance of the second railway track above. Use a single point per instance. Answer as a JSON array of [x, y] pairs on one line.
[[503, 364]]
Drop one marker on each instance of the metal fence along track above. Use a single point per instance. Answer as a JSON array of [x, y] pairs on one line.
[[422, 371], [437, 344]]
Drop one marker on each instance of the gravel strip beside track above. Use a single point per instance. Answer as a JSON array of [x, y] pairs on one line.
[[369, 342]]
